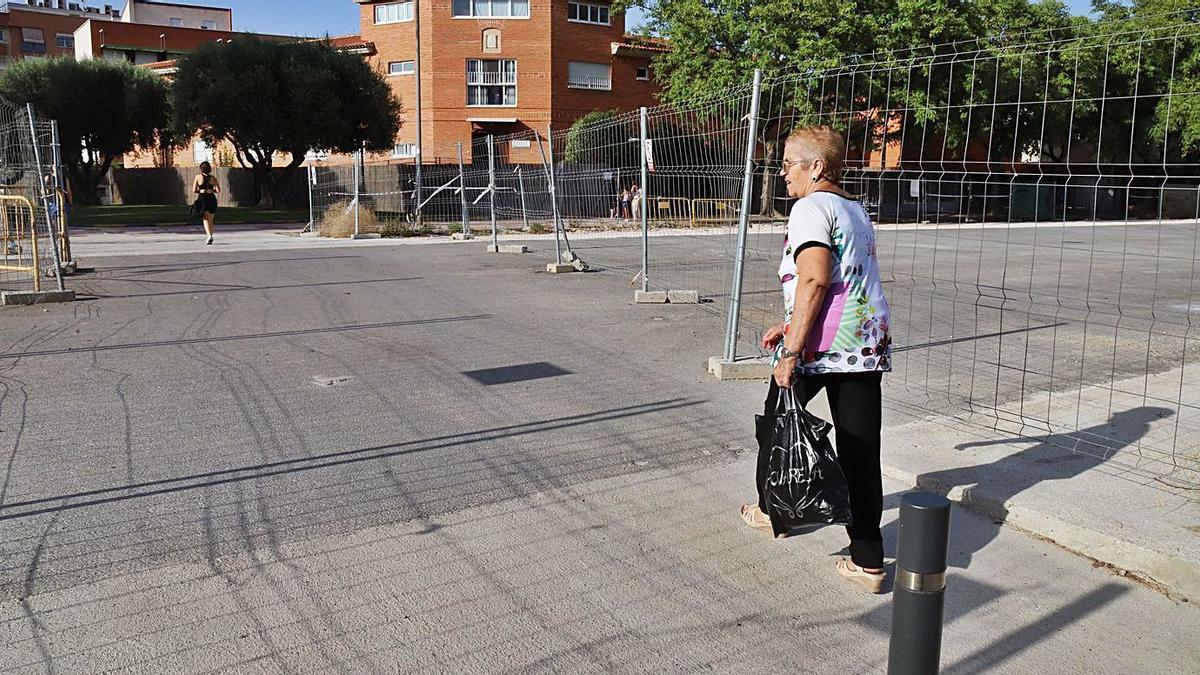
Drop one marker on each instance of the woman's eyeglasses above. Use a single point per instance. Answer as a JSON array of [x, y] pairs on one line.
[[787, 164]]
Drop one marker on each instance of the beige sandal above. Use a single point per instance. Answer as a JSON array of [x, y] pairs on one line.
[[754, 517], [872, 582]]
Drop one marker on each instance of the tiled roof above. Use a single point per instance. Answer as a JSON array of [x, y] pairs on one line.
[[350, 43], [641, 43]]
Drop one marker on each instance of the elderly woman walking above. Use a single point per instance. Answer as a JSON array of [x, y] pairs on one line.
[[834, 335]]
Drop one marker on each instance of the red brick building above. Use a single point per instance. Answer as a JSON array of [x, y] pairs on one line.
[[503, 66]]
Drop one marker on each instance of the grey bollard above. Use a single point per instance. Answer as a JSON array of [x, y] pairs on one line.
[[920, 587]]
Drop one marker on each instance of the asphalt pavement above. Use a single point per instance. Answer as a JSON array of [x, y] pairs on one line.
[[320, 457]]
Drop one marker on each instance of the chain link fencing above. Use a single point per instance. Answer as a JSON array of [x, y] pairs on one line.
[[1036, 196], [1037, 207], [33, 234]]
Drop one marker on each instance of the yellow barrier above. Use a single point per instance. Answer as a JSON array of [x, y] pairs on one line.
[[12, 208], [669, 208], [64, 240], [714, 211]]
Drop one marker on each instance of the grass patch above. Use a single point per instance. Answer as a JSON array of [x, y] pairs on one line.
[[121, 216]]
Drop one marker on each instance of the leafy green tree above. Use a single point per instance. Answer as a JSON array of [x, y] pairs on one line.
[[287, 98], [1155, 53], [104, 109], [601, 137], [852, 57]]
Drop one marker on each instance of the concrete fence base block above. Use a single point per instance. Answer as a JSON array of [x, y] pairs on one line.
[[507, 248], [683, 297], [35, 297], [649, 297], [462, 236], [740, 369], [561, 268], [367, 235]]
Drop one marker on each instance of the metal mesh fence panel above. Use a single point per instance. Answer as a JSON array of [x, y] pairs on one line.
[[31, 211], [1037, 215]]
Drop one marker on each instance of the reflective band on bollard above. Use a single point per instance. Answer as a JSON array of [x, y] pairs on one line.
[[920, 583], [919, 592]]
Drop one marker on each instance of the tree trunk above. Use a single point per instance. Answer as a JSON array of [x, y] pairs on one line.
[[85, 180], [769, 178], [277, 185], [264, 195]]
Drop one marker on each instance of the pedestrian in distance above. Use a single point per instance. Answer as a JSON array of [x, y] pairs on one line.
[[59, 195], [635, 202], [834, 335], [206, 188], [626, 196]]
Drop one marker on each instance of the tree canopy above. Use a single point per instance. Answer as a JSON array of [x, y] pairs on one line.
[[104, 109], [1011, 78], [267, 97]]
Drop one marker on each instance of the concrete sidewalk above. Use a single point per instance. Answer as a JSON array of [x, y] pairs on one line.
[[649, 572]]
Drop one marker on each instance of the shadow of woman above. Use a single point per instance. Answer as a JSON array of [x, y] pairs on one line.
[[1051, 457]]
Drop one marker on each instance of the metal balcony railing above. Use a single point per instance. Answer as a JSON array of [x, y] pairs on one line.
[[598, 83], [491, 78]]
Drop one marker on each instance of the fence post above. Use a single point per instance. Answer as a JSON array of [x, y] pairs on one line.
[[642, 136], [462, 192], [357, 179], [60, 183], [920, 588], [492, 191], [521, 188], [739, 261], [312, 216], [41, 180], [554, 196]]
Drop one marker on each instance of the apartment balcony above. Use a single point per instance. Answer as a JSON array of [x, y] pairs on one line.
[[595, 83], [491, 78]]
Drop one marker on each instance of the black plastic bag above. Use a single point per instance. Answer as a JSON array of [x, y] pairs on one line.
[[804, 484]]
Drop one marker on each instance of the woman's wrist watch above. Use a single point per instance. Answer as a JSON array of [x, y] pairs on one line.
[[788, 354]]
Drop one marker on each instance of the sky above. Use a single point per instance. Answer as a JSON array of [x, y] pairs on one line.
[[339, 17]]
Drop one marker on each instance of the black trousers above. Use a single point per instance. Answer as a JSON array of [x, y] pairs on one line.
[[856, 402]]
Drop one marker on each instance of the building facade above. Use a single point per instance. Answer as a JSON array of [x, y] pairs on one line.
[[176, 15], [504, 66], [141, 32]]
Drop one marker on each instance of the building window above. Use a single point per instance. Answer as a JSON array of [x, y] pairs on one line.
[[582, 75], [65, 41], [404, 150], [32, 41], [582, 12], [401, 67], [643, 72], [3, 36], [493, 8], [491, 40], [3, 61], [393, 12], [208, 24], [201, 152], [175, 22], [491, 82]]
